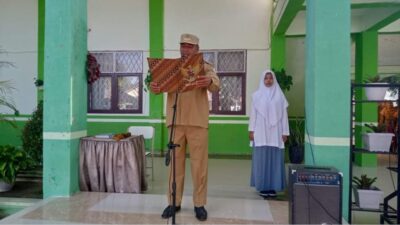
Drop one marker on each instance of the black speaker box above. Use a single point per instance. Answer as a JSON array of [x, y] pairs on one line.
[[315, 195]]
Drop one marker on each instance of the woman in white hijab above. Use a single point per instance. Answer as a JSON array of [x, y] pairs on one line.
[[268, 130]]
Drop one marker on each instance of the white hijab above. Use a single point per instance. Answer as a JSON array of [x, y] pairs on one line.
[[270, 102]]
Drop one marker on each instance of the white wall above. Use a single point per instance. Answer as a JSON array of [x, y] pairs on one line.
[[295, 66], [223, 24], [120, 25], [18, 36]]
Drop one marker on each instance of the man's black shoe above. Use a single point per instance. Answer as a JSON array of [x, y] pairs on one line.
[[168, 211], [201, 213]]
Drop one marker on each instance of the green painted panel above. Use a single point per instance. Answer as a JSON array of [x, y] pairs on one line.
[[229, 139], [290, 12], [41, 26], [375, 5], [366, 65], [10, 135], [61, 170], [94, 128], [156, 27], [65, 70], [328, 68], [278, 50], [220, 135], [365, 160], [386, 21]]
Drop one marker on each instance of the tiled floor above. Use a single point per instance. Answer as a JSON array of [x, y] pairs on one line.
[[230, 201]]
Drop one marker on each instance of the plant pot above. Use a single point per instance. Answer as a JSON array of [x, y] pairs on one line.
[[376, 93], [377, 142], [5, 186], [368, 199], [296, 154]]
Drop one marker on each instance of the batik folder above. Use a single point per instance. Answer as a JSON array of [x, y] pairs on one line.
[[176, 75]]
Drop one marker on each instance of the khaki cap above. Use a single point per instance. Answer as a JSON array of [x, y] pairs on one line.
[[190, 39]]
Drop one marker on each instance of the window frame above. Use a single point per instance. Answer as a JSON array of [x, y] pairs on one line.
[[114, 88], [243, 74]]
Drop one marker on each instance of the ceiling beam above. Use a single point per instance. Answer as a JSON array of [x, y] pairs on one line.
[[384, 22], [284, 16], [369, 5], [375, 5]]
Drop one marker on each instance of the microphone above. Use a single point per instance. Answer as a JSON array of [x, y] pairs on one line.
[[168, 157], [171, 147]]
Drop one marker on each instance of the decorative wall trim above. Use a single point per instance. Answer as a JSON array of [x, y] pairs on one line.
[[18, 118], [64, 135], [363, 123], [106, 120], [328, 141]]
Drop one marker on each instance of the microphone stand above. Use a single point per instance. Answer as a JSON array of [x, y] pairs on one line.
[[171, 147]]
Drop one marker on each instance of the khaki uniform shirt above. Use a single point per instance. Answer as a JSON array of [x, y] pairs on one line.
[[192, 106]]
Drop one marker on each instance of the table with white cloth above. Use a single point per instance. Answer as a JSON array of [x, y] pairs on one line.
[[107, 165]]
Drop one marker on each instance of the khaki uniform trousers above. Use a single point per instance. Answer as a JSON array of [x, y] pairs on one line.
[[196, 138]]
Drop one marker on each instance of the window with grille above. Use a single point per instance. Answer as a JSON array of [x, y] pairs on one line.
[[119, 88], [230, 66]]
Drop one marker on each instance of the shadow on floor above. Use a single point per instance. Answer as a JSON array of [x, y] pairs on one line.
[[25, 189]]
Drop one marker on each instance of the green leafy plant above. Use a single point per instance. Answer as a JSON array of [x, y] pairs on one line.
[[296, 136], [381, 128], [389, 78], [285, 81], [92, 68], [373, 79], [32, 135], [12, 160], [6, 100], [392, 79], [363, 182], [295, 142], [38, 82], [147, 81]]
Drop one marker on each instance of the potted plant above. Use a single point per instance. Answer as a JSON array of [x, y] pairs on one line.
[[366, 195], [285, 81], [6, 90], [38, 83], [32, 136], [380, 93], [296, 141], [392, 92], [379, 140], [12, 160], [375, 93]]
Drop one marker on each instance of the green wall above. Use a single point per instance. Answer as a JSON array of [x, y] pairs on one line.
[[10, 135]]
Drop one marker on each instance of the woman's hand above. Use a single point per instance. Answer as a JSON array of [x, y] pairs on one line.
[[284, 138], [251, 135]]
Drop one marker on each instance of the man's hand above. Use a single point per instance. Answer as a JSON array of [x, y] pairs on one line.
[[155, 88], [284, 138], [203, 81], [251, 135]]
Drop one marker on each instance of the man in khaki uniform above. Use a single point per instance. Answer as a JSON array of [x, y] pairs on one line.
[[191, 130]]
